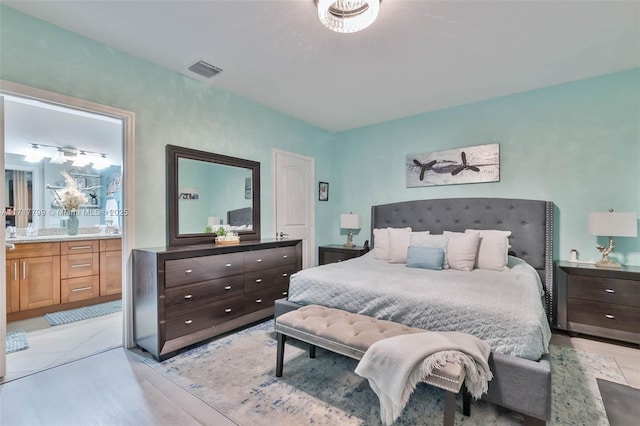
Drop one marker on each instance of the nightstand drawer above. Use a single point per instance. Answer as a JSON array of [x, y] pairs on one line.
[[332, 257], [338, 253], [607, 290], [607, 315]]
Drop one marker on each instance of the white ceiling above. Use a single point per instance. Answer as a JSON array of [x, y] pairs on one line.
[[419, 56]]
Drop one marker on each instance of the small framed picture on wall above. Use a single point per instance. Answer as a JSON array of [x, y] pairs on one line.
[[323, 191]]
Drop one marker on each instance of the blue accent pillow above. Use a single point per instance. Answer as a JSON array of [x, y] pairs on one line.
[[425, 257]]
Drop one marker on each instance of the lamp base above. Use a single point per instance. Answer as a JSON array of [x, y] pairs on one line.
[[349, 242], [348, 245], [605, 262]]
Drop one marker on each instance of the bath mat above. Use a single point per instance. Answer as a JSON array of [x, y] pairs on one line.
[[86, 312], [17, 341]]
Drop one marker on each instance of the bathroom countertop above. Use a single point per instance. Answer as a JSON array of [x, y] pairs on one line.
[[59, 238]]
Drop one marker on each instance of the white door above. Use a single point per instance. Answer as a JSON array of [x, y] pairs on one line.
[[295, 202], [3, 259]]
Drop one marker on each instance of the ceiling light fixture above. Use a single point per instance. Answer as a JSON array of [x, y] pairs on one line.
[[34, 155], [81, 160], [58, 158], [347, 16], [101, 163]]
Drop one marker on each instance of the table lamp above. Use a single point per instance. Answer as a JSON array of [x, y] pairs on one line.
[[349, 221], [612, 224]]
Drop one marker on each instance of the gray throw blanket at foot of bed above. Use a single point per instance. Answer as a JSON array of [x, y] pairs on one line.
[[394, 366]]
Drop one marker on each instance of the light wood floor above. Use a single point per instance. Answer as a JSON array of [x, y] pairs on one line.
[[116, 388]]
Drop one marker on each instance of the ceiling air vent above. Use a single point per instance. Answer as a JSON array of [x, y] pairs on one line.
[[205, 69]]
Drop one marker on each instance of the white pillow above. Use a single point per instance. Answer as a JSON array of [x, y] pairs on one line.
[[399, 240], [493, 251], [425, 239], [462, 249], [381, 243]]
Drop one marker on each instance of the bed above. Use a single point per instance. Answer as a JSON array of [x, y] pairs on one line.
[[522, 378]]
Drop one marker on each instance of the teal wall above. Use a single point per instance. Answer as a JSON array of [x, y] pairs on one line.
[[576, 144], [170, 109]]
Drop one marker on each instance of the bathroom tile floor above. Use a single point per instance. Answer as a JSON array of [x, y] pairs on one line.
[[52, 346]]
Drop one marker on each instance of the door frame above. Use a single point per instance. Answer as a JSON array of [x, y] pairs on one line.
[[128, 200], [312, 202]]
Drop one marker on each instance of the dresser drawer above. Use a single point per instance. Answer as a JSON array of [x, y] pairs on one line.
[[269, 277], [190, 322], [607, 315], [260, 299], [260, 259], [608, 290], [196, 269], [83, 288], [77, 247], [189, 297], [79, 265], [333, 257]]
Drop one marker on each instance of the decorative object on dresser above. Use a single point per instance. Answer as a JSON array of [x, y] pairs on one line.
[[612, 224], [472, 164], [337, 253], [599, 301], [350, 222], [184, 295]]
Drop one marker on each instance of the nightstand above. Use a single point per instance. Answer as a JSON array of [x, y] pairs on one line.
[[598, 301], [337, 253]]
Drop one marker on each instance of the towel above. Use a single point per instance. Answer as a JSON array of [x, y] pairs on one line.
[[394, 366]]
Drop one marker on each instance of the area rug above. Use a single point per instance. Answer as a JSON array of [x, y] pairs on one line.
[[236, 375], [86, 312], [17, 341]]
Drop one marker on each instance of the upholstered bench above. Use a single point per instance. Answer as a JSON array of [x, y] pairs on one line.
[[351, 335]]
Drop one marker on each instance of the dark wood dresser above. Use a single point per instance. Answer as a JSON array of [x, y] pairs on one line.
[[183, 295], [599, 301], [337, 253]]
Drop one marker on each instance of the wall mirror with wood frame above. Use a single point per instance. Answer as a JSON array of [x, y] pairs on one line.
[[206, 191]]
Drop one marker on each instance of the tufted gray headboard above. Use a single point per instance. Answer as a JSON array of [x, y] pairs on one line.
[[530, 223]]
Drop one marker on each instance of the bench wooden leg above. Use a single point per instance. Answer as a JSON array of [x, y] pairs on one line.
[[312, 351], [466, 401], [449, 408], [280, 354]]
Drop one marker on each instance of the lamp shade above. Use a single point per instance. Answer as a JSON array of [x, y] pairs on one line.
[[614, 224], [350, 221]]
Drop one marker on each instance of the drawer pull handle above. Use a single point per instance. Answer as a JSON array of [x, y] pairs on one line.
[[285, 256], [82, 288], [285, 275], [15, 271], [284, 293], [228, 287], [228, 265], [187, 322], [227, 310], [259, 260], [188, 296], [80, 265], [339, 260], [258, 300], [610, 316], [79, 247], [610, 291], [188, 271], [259, 280]]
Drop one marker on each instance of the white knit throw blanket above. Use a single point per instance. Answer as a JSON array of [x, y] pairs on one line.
[[394, 366]]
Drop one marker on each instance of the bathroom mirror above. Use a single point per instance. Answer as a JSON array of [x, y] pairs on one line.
[[207, 190]]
